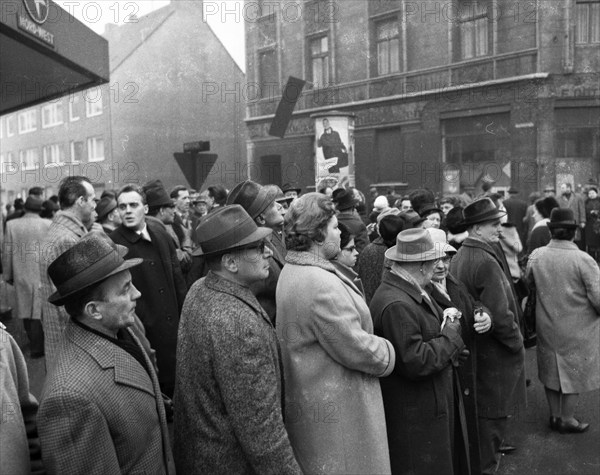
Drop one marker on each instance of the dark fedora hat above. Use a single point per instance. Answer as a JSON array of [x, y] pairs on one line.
[[562, 218], [251, 196], [90, 261], [343, 199], [289, 187], [33, 203], [105, 206], [411, 218], [227, 228], [279, 197], [480, 211], [455, 220], [157, 196]]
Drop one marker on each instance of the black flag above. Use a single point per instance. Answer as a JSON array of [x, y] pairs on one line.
[[291, 93]]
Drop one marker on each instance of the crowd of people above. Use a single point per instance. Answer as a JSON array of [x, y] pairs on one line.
[[281, 332]]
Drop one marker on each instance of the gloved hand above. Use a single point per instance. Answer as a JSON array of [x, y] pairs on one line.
[[463, 356]]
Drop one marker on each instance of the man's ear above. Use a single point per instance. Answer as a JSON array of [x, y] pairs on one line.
[[260, 220], [229, 263], [91, 310], [145, 209]]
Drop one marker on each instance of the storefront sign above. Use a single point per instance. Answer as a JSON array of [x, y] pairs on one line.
[[38, 10], [35, 30], [334, 154]]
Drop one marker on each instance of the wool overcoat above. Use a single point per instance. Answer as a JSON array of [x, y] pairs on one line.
[[228, 397], [163, 289], [19, 443], [101, 411], [419, 396], [21, 262], [64, 232], [501, 354], [332, 361], [567, 314]]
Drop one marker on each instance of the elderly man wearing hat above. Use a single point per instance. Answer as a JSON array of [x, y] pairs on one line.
[[419, 395], [261, 203], [500, 353], [20, 261], [108, 214], [101, 408], [228, 413]]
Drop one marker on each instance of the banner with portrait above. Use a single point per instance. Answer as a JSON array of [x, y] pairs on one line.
[[334, 150]]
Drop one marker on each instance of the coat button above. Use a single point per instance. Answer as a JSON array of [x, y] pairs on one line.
[[151, 263], [161, 291], [467, 392]]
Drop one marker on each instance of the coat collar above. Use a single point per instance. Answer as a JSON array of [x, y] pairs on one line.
[[311, 259], [129, 234], [108, 355], [70, 221], [219, 284], [409, 289], [562, 244]]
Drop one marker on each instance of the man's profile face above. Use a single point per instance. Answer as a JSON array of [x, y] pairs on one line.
[[253, 263], [132, 210], [273, 215], [405, 205], [490, 231], [167, 214], [182, 202], [118, 307], [88, 205]]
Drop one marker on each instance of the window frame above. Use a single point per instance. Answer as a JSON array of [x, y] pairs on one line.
[[473, 20], [93, 140], [588, 4], [10, 131], [55, 112], [23, 158], [73, 102], [28, 116], [94, 108], [377, 24], [60, 152], [72, 151], [320, 56]]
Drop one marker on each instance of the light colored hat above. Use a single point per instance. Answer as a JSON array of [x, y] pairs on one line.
[[380, 203], [441, 240], [414, 245]]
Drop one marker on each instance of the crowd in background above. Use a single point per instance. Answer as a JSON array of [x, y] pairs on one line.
[[283, 332]]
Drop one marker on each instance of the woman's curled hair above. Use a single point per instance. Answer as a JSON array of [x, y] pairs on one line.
[[306, 221]]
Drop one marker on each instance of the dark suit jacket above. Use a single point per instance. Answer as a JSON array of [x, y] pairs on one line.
[[163, 289]]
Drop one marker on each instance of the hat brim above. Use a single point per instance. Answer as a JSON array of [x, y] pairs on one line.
[[256, 236], [58, 299], [483, 218], [432, 255], [284, 199]]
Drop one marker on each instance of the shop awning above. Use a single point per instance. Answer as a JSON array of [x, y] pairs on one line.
[[46, 53]]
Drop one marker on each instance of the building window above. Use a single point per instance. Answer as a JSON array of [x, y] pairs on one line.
[[319, 61], [27, 121], [29, 158], [388, 47], [10, 126], [588, 21], [267, 71], [473, 29], [52, 115], [76, 151], [74, 105], [93, 103], [95, 147], [53, 154]]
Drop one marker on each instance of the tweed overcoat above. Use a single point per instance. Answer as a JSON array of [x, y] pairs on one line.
[[64, 232], [228, 397], [419, 396], [101, 412], [567, 314], [19, 443], [332, 362], [501, 354], [21, 262], [163, 289]]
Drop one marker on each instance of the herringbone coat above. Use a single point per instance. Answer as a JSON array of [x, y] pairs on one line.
[[64, 232], [228, 396], [101, 411]]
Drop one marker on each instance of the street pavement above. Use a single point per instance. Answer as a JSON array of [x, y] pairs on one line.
[[540, 451]]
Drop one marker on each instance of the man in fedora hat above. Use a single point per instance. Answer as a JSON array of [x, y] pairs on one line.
[[260, 202], [345, 203], [500, 352], [574, 201], [228, 397], [108, 214], [101, 408], [77, 211], [20, 262], [419, 396], [291, 191], [159, 278]]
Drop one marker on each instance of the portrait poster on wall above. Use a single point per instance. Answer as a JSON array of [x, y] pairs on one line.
[[334, 150]]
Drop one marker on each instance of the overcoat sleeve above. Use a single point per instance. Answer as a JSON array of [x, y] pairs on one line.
[[253, 402], [590, 274], [492, 293], [75, 436], [336, 323], [419, 356]]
